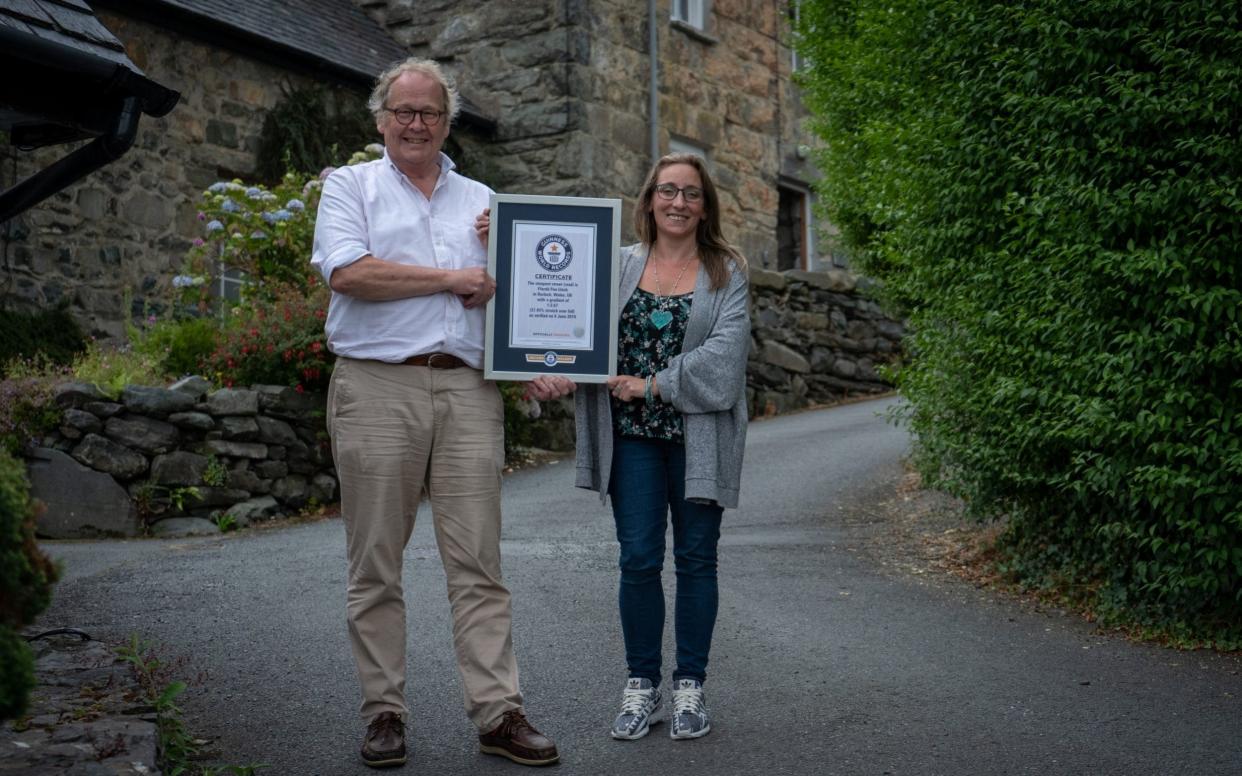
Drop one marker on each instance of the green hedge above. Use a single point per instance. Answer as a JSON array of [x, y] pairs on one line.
[[53, 334], [26, 579], [1051, 190]]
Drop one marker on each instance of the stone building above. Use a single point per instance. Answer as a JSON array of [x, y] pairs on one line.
[[586, 92], [107, 244], [563, 97]]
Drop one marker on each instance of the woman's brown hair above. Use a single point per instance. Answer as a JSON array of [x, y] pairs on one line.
[[714, 250]]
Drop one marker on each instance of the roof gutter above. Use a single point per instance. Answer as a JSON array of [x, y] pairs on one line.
[[102, 150], [106, 77]]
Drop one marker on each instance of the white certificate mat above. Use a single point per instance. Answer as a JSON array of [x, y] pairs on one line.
[[553, 304]]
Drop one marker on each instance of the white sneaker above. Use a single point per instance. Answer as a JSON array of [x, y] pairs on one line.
[[689, 717], [639, 703]]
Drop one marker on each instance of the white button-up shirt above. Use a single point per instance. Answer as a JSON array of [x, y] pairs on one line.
[[372, 209]]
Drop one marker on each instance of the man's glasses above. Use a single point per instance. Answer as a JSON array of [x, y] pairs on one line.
[[692, 194], [405, 116]]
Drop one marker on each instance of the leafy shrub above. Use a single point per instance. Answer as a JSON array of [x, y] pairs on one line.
[[305, 131], [111, 368], [27, 408], [276, 339], [177, 346], [26, 579], [1050, 189], [51, 334], [265, 234]]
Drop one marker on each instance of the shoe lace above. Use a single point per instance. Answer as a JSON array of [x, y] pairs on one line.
[[513, 721], [687, 701], [385, 723], [634, 702]]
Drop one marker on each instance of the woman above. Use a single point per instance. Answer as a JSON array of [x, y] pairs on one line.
[[667, 434]]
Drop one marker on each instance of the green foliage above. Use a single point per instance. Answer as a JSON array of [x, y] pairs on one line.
[[216, 474], [1051, 191], [156, 677], [26, 580], [264, 234], [177, 346], [27, 409], [307, 129], [181, 496], [519, 425], [51, 334], [226, 522], [275, 339], [111, 368]]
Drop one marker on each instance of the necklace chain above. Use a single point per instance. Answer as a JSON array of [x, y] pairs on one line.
[[655, 272], [661, 317]]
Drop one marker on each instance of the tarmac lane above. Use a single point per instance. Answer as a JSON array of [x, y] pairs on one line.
[[823, 662]]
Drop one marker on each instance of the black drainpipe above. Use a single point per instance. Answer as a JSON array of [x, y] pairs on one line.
[[104, 149]]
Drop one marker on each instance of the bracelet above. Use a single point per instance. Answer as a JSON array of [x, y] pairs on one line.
[[647, 388]]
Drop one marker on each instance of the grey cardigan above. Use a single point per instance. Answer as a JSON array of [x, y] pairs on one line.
[[706, 382]]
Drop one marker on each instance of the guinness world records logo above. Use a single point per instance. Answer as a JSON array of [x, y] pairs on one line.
[[554, 253]]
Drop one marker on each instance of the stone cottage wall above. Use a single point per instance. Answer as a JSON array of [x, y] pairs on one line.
[[170, 460], [568, 86], [124, 229]]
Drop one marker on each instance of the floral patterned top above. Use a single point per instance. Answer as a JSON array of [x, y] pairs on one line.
[[643, 349]]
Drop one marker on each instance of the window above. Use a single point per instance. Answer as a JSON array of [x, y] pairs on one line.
[[794, 233], [229, 283], [691, 12], [795, 16]]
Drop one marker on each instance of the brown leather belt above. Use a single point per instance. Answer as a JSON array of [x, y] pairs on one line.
[[436, 361]]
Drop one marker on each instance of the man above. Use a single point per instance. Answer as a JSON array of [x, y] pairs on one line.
[[400, 242]]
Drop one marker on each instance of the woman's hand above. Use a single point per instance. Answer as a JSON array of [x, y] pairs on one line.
[[548, 387], [628, 387]]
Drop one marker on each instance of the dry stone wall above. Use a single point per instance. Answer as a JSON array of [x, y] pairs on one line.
[[172, 461], [815, 338]]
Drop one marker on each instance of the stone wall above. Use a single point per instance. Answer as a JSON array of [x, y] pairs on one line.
[[815, 339], [171, 460], [568, 85], [124, 230]]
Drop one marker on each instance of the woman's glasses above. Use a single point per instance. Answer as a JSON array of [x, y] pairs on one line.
[[691, 194]]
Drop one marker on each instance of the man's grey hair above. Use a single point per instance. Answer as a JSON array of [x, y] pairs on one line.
[[428, 67]]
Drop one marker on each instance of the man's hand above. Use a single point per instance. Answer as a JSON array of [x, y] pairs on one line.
[[483, 225], [473, 285], [547, 387]]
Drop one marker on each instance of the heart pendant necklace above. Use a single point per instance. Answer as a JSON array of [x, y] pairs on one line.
[[661, 316]]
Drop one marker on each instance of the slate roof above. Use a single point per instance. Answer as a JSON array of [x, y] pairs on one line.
[[331, 35], [50, 46], [70, 23], [336, 31]]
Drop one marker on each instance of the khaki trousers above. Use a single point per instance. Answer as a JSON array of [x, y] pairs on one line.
[[396, 430]]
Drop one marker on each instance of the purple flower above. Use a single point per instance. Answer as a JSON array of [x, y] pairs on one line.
[[198, 242]]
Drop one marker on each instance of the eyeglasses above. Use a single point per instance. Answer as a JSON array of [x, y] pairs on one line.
[[405, 116], [691, 194]]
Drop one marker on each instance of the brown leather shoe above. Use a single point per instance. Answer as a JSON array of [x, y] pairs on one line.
[[384, 746], [518, 740]]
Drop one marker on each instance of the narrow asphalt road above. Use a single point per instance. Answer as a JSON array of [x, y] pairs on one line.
[[824, 662]]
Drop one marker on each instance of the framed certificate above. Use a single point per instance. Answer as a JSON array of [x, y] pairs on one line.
[[555, 260]]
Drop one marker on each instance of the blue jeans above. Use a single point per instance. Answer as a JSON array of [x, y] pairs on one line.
[[648, 480]]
